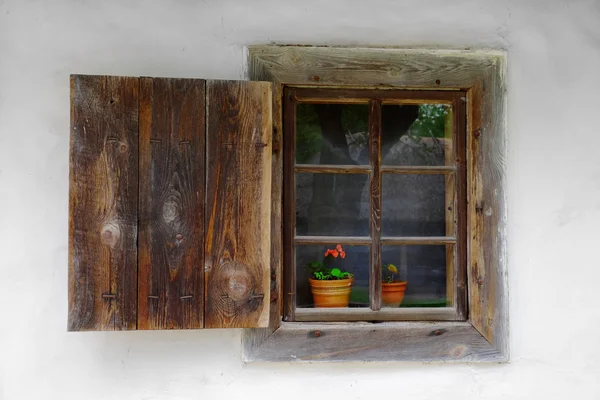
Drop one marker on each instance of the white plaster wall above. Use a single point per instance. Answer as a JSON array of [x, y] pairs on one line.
[[553, 193]]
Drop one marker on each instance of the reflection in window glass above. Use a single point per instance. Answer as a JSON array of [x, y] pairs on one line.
[[423, 267], [332, 204], [413, 205], [416, 135], [333, 134]]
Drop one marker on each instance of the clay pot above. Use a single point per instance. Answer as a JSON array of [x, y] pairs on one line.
[[392, 294], [333, 293]]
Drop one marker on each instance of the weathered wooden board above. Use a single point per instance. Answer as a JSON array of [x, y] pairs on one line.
[[488, 293], [289, 204], [172, 181], [255, 337], [460, 270], [103, 193], [387, 341], [375, 183], [343, 66], [238, 201]]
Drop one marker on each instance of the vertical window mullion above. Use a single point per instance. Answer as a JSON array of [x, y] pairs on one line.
[[375, 203]]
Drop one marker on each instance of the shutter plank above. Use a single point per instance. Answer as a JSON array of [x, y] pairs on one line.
[[172, 177], [103, 203], [239, 134]]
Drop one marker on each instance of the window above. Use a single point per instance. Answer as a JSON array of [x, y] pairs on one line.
[[382, 174], [196, 203], [469, 320]]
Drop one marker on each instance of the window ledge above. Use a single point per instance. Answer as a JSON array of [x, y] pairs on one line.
[[371, 342]]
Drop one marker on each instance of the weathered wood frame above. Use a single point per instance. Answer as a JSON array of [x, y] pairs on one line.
[[482, 75], [454, 173]]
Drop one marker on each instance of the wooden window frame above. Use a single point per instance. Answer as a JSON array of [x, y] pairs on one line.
[[454, 171], [481, 75]]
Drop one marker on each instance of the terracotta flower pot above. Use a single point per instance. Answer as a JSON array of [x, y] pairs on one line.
[[392, 294], [331, 293]]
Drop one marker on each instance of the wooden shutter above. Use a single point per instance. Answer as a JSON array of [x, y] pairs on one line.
[[239, 203], [201, 258], [103, 196], [171, 241]]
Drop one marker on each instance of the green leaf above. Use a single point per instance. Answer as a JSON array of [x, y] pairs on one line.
[[336, 272]]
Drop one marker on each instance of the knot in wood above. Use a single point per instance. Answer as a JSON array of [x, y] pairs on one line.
[[459, 351], [236, 281], [169, 210], [438, 332], [110, 234]]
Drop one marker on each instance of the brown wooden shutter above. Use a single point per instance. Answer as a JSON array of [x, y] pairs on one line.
[[202, 254], [172, 172], [239, 204], [103, 196]]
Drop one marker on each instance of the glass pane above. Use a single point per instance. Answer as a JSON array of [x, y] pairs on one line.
[[416, 135], [332, 204], [422, 268], [333, 134], [352, 259], [416, 205]]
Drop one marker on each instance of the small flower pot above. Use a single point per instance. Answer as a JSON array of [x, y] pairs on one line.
[[331, 293], [392, 294]]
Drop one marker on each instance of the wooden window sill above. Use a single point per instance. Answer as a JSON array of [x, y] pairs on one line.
[[370, 342]]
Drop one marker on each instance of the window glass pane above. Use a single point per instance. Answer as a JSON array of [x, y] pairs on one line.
[[355, 261], [422, 269], [416, 205], [416, 135], [332, 204], [333, 134]]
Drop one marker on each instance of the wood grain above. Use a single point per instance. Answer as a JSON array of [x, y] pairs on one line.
[[332, 169], [417, 240], [276, 309], [238, 201], [256, 336], [367, 342], [408, 169], [375, 183], [371, 67], [450, 206], [329, 95], [103, 192], [172, 174], [289, 204], [345, 240], [487, 281], [460, 268]]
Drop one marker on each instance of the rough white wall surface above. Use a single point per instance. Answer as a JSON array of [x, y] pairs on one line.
[[553, 192]]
